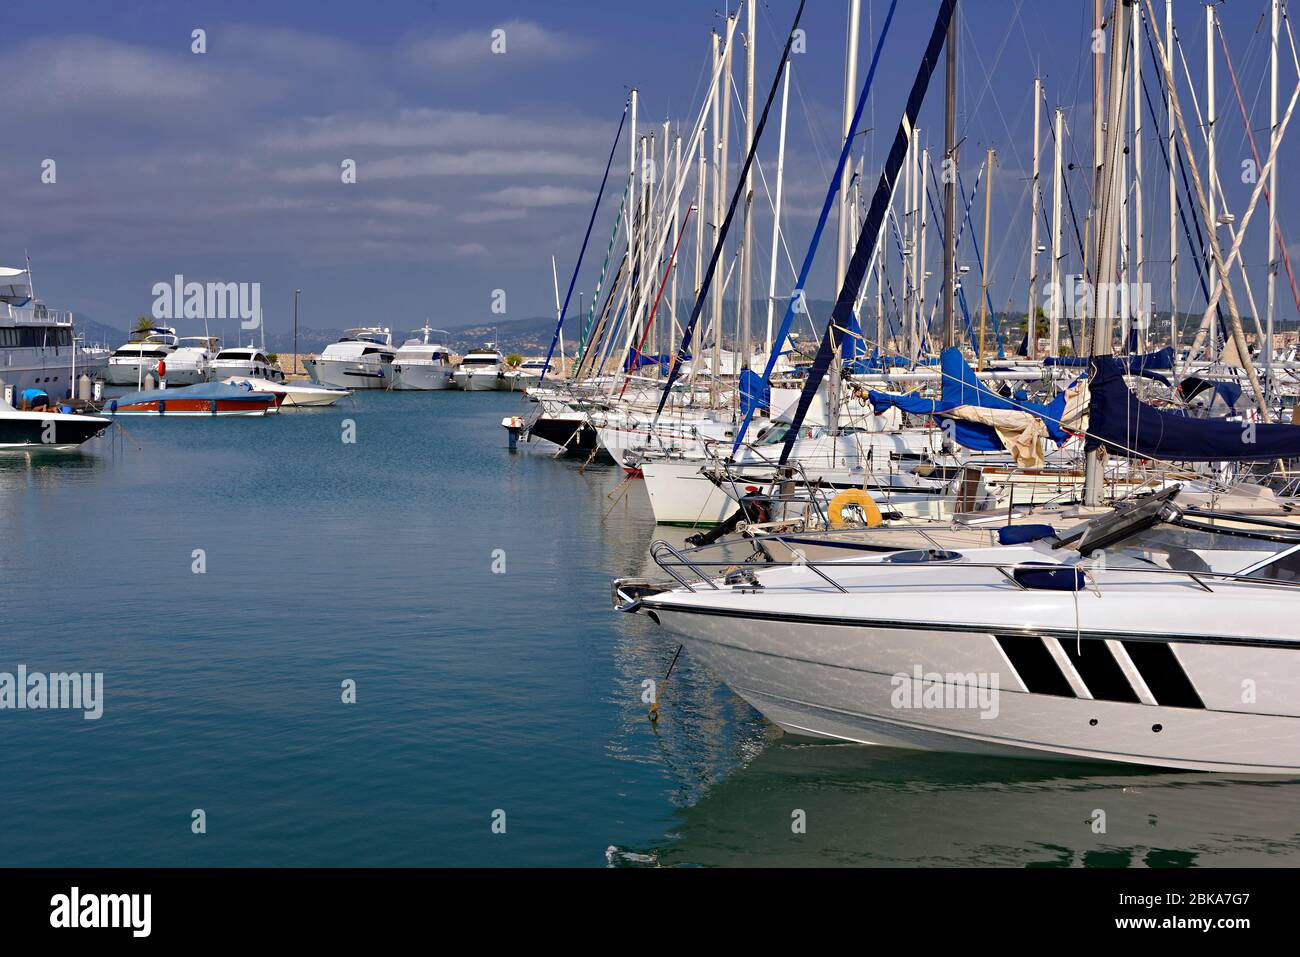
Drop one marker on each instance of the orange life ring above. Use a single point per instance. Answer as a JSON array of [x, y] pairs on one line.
[[854, 496]]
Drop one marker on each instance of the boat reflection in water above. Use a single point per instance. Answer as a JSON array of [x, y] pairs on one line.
[[884, 807]]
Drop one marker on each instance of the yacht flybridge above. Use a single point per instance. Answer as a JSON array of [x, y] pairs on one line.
[[1154, 635]]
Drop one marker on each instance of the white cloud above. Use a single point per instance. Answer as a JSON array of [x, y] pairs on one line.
[[492, 216], [486, 162], [539, 196], [525, 42]]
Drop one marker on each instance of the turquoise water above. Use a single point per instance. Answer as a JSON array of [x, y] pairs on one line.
[[476, 692]]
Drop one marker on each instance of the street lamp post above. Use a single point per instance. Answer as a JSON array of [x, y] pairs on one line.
[[295, 330]]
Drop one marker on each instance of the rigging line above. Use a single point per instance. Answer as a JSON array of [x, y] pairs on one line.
[[869, 237], [674, 371], [798, 298], [559, 324], [1250, 138], [681, 234]]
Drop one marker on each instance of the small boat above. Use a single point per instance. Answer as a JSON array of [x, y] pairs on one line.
[[292, 394], [46, 430], [207, 399]]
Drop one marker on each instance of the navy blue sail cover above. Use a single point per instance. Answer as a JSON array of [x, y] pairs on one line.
[[962, 387], [1125, 426]]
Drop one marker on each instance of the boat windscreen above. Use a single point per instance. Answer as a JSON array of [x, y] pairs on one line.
[[1124, 522]]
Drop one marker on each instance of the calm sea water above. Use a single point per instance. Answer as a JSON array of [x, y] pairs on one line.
[[476, 692]]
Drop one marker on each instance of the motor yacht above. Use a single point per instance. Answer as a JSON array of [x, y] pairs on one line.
[[246, 362], [46, 429], [421, 365], [190, 362], [295, 394], [38, 346], [362, 359], [481, 370], [139, 357], [1051, 648]]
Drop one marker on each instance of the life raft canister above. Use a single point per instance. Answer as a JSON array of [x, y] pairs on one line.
[[162, 368], [854, 496]]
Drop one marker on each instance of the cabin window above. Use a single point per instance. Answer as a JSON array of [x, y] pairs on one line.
[[1284, 568]]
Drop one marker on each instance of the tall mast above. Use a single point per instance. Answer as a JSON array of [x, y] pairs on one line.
[[1212, 169], [1108, 222], [1173, 192], [920, 210], [724, 83], [1139, 308], [677, 208], [776, 206], [1272, 198], [1031, 314], [744, 315], [950, 190], [1054, 321], [984, 260], [846, 216]]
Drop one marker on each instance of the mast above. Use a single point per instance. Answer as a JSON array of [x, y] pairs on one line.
[[677, 208], [845, 207], [950, 190], [1054, 321], [1173, 194], [984, 259], [776, 206], [716, 125], [1108, 222], [1031, 314], [1139, 309], [744, 314], [1275, 5], [1211, 166]]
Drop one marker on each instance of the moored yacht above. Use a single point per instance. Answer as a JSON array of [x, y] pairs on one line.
[[245, 361], [1048, 648], [46, 430], [38, 346], [362, 359], [421, 365], [481, 370], [131, 362], [190, 362]]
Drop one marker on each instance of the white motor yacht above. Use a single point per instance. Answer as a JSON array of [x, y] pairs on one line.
[[1156, 635], [247, 362], [421, 365], [130, 363], [481, 370], [362, 359], [527, 374], [190, 362], [38, 346]]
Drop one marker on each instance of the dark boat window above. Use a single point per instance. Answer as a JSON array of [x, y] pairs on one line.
[[1283, 569]]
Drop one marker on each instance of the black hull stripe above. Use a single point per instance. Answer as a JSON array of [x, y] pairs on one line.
[[1064, 633]]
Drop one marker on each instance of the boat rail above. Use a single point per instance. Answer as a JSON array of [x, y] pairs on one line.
[[698, 567]]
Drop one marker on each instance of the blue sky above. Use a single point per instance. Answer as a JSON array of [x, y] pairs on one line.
[[474, 168]]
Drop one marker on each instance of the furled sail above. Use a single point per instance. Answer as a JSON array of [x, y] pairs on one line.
[[1126, 426]]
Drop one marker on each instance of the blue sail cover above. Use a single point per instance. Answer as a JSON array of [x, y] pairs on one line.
[[1125, 426], [1136, 365], [755, 393], [639, 360], [962, 387]]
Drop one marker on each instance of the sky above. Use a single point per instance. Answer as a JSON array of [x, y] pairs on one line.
[[474, 168]]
